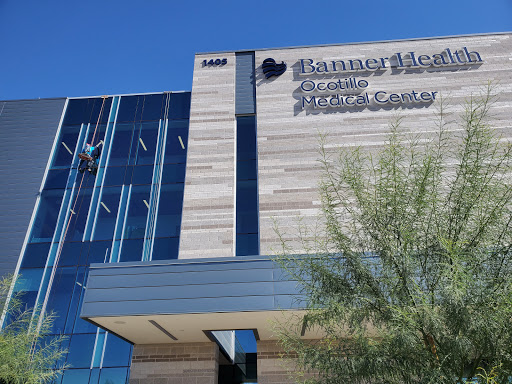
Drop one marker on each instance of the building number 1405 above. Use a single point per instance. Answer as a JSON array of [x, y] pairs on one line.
[[215, 62]]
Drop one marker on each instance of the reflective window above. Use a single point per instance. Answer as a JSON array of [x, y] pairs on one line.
[[58, 302], [76, 299], [132, 250], [56, 178], [113, 375], [169, 210], [76, 376], [247, 207], [114, 176], [46, 217], [99, 252], [130, 108], [176, 141], [118, 352], [137, 212], [121, 144], [247, 244], [71, 253], [142, 174], [246, 138], [246, 170], [28, 282], [153, 107], [173, 173], [79, 218], [86, 110], [80, 350], [107, 214], [247, 226], [35, 255], [66, 146], [95, 376], [166, 248], [145, 148], [180, 105]]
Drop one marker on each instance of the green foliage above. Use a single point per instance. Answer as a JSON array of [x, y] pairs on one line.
[[411, 278], [26, 356]]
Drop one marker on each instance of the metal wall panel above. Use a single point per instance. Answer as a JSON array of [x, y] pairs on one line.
[[245, 91], [187, 286], [27, 132]]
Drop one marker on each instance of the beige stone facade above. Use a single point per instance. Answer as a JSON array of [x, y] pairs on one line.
[[288, 170]]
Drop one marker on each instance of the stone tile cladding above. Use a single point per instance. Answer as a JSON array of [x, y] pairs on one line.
[[208, 219], [273, 368], [187, 363], [288, 167]]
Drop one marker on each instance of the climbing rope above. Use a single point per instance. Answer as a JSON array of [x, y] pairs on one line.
[[61, 244]]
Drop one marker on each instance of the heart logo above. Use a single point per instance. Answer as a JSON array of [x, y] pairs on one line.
[[271, 68]]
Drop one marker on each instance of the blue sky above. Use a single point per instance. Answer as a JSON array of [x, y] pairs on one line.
[[59, 48]]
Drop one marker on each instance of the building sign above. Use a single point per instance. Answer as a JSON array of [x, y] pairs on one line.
[[352, 91]]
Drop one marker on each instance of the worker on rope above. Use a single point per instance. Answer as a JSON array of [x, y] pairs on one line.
[[89, 158]]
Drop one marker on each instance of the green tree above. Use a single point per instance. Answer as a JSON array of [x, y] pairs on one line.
[[26, 356], [410, 280]]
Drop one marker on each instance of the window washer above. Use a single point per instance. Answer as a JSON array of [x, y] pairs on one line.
[[89, 158]]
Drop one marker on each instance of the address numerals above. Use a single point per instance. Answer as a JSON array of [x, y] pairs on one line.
[[214, 62]]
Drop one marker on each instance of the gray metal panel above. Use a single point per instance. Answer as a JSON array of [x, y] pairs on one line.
[[187, 286], [27, 132], [245, 91]]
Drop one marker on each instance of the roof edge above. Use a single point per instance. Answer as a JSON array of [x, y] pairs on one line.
[[357, 43]]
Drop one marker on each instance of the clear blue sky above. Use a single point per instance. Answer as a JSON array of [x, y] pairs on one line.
[[71, 48]]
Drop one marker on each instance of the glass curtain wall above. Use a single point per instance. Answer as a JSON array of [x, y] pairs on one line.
[[105, 219]]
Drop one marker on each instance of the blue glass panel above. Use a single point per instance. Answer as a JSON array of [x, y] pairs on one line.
[[166, 248], [28, 282], [173, 173], [35, 255], [246, 138], [246, 206], [59, 299], [169, 210], [247, 340], [98, 134], [246, 244], [95, 376], [114, 176], [76, 111], [142, 174], [47, 213], [99, 252], [80, 351], [76, 376], [70, 253], [180, 105], [146, 143], [121, 144], [246, 170], [130, 108], [153, 107], [66, 146], [137, 212], [98, 348], [175, 152], [56, 178], [77, 222], [118, 352], [107, 214], [113, 376], [131, 250], [76, 299]]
